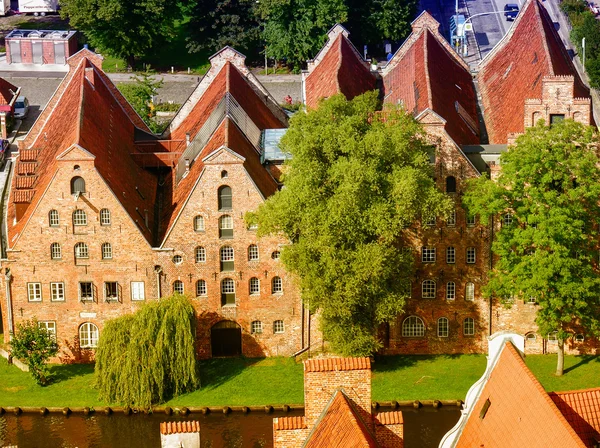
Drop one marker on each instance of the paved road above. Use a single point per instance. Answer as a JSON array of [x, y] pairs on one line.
[[489, 28]]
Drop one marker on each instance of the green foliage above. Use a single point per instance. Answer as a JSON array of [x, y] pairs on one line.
[[148, 357], [294, 30], [167, 107], [126, 28], [585, 26], [217, 23], [550, 183], [353, 185], [34, 345], [139, 94]]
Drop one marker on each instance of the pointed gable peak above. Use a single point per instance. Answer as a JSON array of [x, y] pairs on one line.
[[228, 54], [425, 20], [336, 30], [223, 156], [89, 56], [75, 153]]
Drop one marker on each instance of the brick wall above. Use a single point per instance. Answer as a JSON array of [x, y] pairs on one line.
[[390, 436], [289, 438]]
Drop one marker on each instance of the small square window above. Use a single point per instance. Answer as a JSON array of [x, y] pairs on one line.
[[137, 291], [278, 327], [431, 221], [34, 292], [57, 291], [257, 327], [49, 326], [428, 254]]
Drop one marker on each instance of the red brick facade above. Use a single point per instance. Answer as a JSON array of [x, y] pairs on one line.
[[55, 46]]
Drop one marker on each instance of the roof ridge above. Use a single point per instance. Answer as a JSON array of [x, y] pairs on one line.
[[81, 105], [426, 63], [339, 64], [542, 32], [576, 391]]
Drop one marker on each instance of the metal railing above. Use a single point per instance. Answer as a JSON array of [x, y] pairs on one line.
[[227, 107]]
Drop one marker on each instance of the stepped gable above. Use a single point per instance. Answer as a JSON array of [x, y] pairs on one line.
[[425, 73], [340, 426], [514, 70], [338, 67], [88, 115], [581, 408], [7, 91], [520, 412], [228, 73]]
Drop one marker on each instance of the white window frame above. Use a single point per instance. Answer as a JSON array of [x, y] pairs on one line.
[[253, 253], [55, 251], [199, 225], [278, 327], [49, 326], [471, 255], [107, 252], [254, 286], [470, 292], [138, 291], [507, 219], [471, 220], [53, 218], [227, 254], [443, 327], [83, 252], [277, 285], [105, 219], [256, 327], [451, 221], [451, 255], [34, 292], [176, 285], [413, 327], [428, 289], [428, 254], [88, 335], [227, 286], [57, 291], [177, 259], [201, 289], [200, 254], [79, 217], [469, 326], [450, 291]]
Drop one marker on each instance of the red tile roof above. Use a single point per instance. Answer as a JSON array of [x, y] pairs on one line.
[[8, 91], [513, 71], [389, 418], [179, 427], [339, 69], [426, 73], [332, 364], [581, 408], [340, 426], [285, 423], [520, 412], [87, 114]]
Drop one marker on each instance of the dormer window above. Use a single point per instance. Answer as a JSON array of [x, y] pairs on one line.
[[77, 185]]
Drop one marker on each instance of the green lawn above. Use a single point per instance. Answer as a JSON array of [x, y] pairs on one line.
[[278, 381]]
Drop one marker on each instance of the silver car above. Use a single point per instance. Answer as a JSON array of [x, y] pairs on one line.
[[21, 107]]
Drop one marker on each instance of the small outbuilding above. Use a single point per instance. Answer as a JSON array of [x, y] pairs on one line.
[[40, 47]]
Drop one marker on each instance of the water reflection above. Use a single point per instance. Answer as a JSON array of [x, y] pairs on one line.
[[423, 428]]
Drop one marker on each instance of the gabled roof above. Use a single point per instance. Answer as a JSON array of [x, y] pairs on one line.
[[513, 71], [514, 410], [426, 72], [86, 114], [340, 426], [8, 91], [338, 67], [581, 408]]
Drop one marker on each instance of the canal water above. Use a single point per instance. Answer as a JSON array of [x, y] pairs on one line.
[[423, 428]]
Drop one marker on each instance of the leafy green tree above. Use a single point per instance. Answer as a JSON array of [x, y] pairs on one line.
[[353, 186], [549, 185], [148, 357], [217, 23], [125, 28], [295, 30], [139, 93], [34, 345]]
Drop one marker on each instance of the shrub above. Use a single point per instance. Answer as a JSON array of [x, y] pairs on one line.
[[34, 345]]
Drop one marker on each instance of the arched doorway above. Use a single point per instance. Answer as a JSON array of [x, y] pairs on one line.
[[226, 339]]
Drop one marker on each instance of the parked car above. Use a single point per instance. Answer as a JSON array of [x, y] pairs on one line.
[[21, 107], [595, 10], [4, 144], [510, 11]]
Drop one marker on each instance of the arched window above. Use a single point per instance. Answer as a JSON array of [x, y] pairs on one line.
[[227, 292], [79, 218], [200, 254], [81, 250], [77, 185], [469, 326], [199, 223], [106, 251], [226, 226], [254, 286], [253, 252], [224, 174], [553, 337], [88, 335], [579, 337], [227, 261], [450, 184], [276, 285], [53, 219], [443, 328], [178, 286], [428, 289], [530, 337], [224, 194], [257, 327], [413, 327], [450, 291], [470, 292], [105, 217], [55, 251], [200, 288], [278, 327]]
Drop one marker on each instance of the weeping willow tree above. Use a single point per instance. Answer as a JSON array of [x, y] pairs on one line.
[[148, 357]]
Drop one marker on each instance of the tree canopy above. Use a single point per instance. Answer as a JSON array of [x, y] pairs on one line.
[[547, 199], [139, 94], [148, 357], [125, 28], [353, 185], [34, 345]]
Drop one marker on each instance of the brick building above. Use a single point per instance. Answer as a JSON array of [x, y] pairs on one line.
[[40, 46], [104, 215]]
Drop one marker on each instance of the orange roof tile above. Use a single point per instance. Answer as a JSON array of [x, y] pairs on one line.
[[389, 418], [513, 71], [179, 427], [520, 412], [340, 70], [340, 426], [28, 155], [285, 423], [581, 408], [330, 364]]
